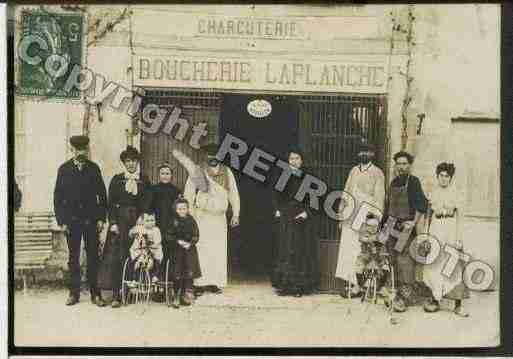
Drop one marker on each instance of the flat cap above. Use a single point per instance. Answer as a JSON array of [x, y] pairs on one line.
[[79, 142]]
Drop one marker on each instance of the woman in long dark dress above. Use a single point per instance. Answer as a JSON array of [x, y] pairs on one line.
[[128, 199], [163, 197], [295, 271]]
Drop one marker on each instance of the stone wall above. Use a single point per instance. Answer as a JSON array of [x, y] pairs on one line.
[[56, 269], [456, 71]]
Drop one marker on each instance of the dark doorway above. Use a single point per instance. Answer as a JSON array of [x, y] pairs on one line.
[[327, 127], [252, 253]]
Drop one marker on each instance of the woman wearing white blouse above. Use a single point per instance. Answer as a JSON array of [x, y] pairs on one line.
[[447, 226]]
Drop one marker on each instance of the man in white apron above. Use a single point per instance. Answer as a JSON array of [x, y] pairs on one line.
[[210, 189], [366, 183]]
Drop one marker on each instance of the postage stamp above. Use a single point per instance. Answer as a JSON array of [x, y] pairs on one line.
[[61, 38]]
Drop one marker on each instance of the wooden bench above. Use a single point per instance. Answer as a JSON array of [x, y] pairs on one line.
[[33, 242]]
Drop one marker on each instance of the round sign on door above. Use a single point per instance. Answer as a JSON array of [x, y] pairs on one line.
[[259, 108]]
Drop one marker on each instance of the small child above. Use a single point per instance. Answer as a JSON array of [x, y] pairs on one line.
[[146, 249], [373, 256], [182, 236]]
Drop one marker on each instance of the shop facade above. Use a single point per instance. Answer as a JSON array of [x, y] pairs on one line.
[[320, 97], [332, 76]]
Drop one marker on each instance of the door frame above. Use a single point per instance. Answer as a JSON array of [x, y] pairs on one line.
[[212, 99]]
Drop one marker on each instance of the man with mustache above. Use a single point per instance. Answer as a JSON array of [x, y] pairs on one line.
[[407, 204], [366, 184], [80, 203]]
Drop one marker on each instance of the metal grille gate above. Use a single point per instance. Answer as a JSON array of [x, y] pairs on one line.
[[330, 129], [197, 107]]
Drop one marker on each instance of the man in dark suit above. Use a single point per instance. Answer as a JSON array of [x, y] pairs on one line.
[[80, 203]]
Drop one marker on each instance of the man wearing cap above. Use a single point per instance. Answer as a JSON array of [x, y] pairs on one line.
[[366, 184], [80, 203], [129, 197], [210, 188]]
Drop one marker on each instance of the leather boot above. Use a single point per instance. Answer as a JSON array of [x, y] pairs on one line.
[[96, 298], [116, 299], [72, 299], [187, 292], [187, 297]]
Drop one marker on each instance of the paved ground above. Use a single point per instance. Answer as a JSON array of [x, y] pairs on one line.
[[249, 315]]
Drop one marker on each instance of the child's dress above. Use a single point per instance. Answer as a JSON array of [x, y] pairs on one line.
[[146, 249], [185, 262]]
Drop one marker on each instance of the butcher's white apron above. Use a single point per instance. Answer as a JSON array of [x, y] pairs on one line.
[[210, 214], [349, 248]]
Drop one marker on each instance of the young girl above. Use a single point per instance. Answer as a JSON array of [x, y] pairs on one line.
[[182, 236], [146, 249]]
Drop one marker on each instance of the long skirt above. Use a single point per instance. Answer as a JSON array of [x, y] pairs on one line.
[[116, 251], [348, 253], [212, 248], [441, 286], [296, 264], [107, 263]]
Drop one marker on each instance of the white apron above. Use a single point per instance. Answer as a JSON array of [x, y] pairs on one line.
[[446, 231], [209, 211], [349, 248], [365, 186]]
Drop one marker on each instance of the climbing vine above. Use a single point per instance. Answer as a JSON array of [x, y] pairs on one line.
[[407, 31]]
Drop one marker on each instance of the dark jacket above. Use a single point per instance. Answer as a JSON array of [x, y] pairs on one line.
[[183, 229], [119, 197], [79, 195], [185, 262], [163, 197], [285, 201]]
